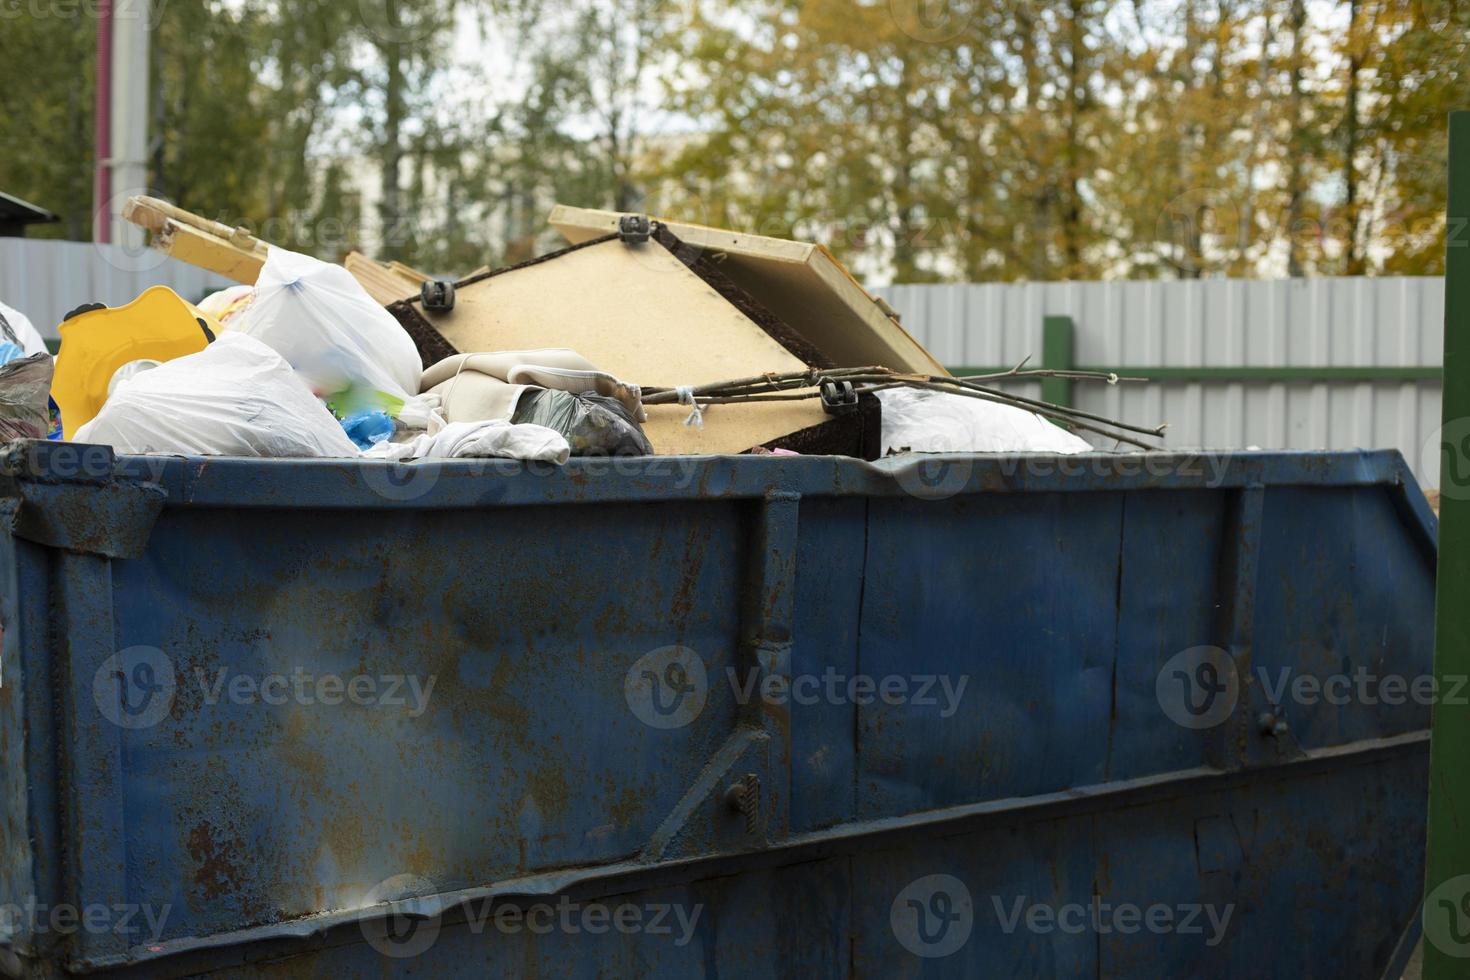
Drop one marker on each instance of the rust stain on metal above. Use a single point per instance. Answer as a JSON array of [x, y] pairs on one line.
[[628, 807], [501, 705], [548, 785], [218, 873], [345, 836], [682, 603], [309, 761], [419, 856]]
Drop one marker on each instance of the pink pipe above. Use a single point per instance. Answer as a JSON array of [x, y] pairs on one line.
[[102, 136]]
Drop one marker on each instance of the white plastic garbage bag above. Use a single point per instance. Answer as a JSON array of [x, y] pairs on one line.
[[26, 334], [237, 397], [226, 304], [320, 319], [927, 421]]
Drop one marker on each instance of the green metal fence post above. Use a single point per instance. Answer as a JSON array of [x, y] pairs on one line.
[[1447, 865], [1056, 355]]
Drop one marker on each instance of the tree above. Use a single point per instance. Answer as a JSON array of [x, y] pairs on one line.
[[970, 139], [46, 95]]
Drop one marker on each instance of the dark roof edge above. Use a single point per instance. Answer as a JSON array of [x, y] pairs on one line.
[[25, 211]]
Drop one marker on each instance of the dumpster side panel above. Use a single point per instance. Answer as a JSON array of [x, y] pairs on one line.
[[1167, 602], [1345, 616], [956, 907], [15, 829], [1264, 879], [1000, 611], [1279, 877], [829, 598], [17, 869], [505, 719], [783, 922], [508, 744], [33, 750]]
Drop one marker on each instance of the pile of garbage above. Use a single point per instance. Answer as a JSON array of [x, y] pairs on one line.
[[639, 338]]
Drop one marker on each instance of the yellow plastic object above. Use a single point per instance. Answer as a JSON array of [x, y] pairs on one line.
[[159, 325]]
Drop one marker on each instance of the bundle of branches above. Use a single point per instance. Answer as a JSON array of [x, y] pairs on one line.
[[795, 385]]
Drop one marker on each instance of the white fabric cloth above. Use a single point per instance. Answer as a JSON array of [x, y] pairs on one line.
[[320, 319], [489, 385], [926, 421], [237, 397], [480, 440], [30, 338]]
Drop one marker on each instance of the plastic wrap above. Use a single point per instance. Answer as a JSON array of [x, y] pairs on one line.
[[25, 390], [594, 425], [237, 397], [320, 319], [924, 421]]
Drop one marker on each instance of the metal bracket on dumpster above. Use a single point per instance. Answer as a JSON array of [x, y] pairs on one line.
[[681, 835], [740, 799], [66, 495], [744, 797], [1257, 732]]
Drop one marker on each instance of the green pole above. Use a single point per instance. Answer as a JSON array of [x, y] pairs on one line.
[[1056, 354], [1447, 865]]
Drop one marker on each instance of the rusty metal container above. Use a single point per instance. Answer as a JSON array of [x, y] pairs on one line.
[[722, 717]]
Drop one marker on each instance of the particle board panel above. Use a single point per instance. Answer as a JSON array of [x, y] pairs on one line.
[[727, 428], [800, 282], [639, 313]]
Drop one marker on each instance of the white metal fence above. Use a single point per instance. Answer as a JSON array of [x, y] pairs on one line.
[[1380, 339], [45, 279]]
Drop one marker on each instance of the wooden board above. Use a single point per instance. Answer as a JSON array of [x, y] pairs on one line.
[[800, 282], [198, 241], [384, 283], [236, 254], [203, 250], [639, 313]]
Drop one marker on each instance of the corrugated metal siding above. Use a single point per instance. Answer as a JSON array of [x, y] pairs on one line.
[[45, 279], [1329, 322]]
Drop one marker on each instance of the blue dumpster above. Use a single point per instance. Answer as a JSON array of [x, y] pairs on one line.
[[1114, 716]]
